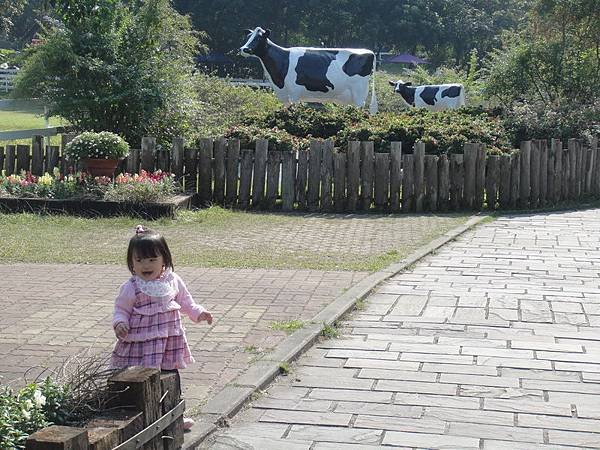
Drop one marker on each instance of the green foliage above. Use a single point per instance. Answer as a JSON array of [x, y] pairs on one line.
[[289, 326], [223, 105], [145, 187], [330, 331], [33, 407], [279, 140], [102, 145], [119, 66]]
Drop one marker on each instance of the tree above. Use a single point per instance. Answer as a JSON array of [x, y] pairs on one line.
[[118, 67], [9, 9]]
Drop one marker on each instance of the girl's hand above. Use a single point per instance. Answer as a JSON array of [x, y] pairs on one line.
[[121, 330], [205, 316]]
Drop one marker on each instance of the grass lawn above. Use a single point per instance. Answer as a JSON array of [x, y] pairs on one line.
[[216, 237], [26, 115]]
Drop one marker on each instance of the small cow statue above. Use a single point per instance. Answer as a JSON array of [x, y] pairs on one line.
[[338, 75], [435, 97]]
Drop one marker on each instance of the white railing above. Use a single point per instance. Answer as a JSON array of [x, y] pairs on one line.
[[7, 77]]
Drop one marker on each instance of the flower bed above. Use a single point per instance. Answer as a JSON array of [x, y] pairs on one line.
[[147, 195]]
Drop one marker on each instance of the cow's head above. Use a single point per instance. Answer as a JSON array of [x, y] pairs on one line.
[[256, 44], [399, 85]]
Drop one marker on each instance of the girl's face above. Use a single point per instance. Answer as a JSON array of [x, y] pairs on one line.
[[148, 268]]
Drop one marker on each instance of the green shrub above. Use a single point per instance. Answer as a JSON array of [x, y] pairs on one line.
[[103, 145], [279, 140]]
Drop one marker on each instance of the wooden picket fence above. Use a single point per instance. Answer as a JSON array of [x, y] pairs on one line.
[[541, 173]]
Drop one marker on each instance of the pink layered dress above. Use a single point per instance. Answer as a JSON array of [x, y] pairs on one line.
[[156, 335]]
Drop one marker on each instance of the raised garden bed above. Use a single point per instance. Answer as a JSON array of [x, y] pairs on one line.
[[98, 208]]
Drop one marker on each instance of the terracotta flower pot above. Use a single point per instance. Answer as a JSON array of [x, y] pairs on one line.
[[101, 167]]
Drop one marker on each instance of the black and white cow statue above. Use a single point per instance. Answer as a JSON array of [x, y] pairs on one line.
[[434, 97], [337, 75]]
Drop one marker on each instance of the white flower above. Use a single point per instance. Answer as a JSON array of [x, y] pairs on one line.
[[26, 414], [39, 398], [28, 404]]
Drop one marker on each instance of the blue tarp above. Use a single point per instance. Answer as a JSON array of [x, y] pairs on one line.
[[406, 58]]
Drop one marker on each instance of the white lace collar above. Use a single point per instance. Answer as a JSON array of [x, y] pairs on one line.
[[161, 287]]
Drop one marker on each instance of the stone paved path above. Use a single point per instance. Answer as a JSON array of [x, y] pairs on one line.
[[50, 312], [492, 343]]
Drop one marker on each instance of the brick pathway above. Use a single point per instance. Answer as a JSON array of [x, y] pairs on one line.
[[492, 343], [49, 312]]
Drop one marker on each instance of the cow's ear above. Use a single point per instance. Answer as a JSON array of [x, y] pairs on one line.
[[392, 83], [267, 33]]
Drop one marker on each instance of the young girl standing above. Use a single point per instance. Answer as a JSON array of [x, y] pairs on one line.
[[146, 319]]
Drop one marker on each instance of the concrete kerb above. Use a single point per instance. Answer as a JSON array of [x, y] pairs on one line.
[[233, 397]]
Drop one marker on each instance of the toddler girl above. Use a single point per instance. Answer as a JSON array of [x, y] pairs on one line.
[[146, 318]]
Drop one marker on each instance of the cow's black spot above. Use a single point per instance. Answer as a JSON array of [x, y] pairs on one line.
[[407, 93], [428, 94], [312, 68], [359, 65], [277, 62], [452, 91]]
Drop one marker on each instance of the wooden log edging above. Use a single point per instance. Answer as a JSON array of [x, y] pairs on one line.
[[155, 423], [322, 178]]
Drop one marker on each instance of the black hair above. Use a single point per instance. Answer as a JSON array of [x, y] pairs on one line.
[[148, 244]]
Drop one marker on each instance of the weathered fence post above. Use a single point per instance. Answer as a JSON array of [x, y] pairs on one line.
[[52, 157], [480, 176], [550, 175], [573, 156], [288, 177], [58, 438], [382, 180], [273, 171], [419, 172], [367, 168], [457, 181], [534, 176], [504, 184], [431, 182], [233, 170], [524, 179], [556, 146], [339, 181], [314, 175], [302, 179], [515, 179], [353, 161], [260, 168], [37, 155], [408, 187], [22, 158], [219, 150], [395, 175], [595, 168], [177, 158], [9, 162], [543, 146], [148, 153], [470, 164], [327, 176], [444, 182], [202, 161], [245, 178], [492, 177], [170, 388], [1, 159]]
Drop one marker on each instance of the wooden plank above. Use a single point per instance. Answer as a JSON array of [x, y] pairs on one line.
[[589, 166], [170, 388], [314, 175], [566, 175], [190, 173], [431, 182], [273, 171], [140, 387], [395, 175], [515, 179], [260, 169], [525, 176], [480, 176], [353, 170], [444, 182], [232, 172], [288, 180], [492, 178], [57, 437], [339, 181], [2, 157], [470, 178], [408, 186], [504, 182], [550, 176], [52, 160], [580, 168], [367, 171], [23, 158], [245, 178], [9, 160], [163, 160], [543, 146], [220, 153], [327, 176], [127, 423], [133, 161], [102, 438], [37, 155], [419, 174], [595, 167], [534, 177], [177, 158], [556, 146], [302, 179], [382, 181], [148, 153], [205, 171], [573, 180], [457, 181]]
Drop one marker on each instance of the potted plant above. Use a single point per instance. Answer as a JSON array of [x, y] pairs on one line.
[[100, 152]]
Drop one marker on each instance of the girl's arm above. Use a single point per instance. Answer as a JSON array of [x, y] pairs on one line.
[[124, 304], [193, 310]]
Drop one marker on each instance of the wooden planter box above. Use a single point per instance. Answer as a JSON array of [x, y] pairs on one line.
[[152, 418], [98, 208]]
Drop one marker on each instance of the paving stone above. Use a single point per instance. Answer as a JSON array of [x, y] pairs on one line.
[[558, 423], [528, 405], [482, 380], [329, 383], [536, 345], [384, 374], [228, 442], [422, 440], [306, 404], [576, 438], [340, 446], [403, 398], [564, 386], [498, 392], [489, 444], [533, 374], [470, 416], [436, 358], [424, 348], [498, 352], [381, 364], [514, 362], [496, 432], [339, 353], [379, 409], [305, 417], [334, 434], [416, 387], [350, 395], [458, 368], [421, 425]]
